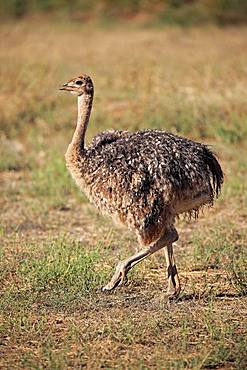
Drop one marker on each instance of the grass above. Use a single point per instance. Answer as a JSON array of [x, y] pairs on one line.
[[64, 269], [108, 13], [43, 186], [57, 251]]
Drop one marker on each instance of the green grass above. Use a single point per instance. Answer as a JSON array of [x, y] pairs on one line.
[[44, 185], [108, 13], [219, 246], [63, 273], [64, 266]]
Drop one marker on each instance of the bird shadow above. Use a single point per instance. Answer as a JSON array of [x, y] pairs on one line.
[[205, 296], [150, 300]]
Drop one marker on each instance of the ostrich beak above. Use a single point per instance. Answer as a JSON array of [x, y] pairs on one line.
[[64, 87]]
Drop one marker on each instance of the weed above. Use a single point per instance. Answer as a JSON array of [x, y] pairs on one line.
[[238, 276], [65, 269], [53, 182]]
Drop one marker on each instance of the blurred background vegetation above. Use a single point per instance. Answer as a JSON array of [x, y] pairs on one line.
[[182, 12]]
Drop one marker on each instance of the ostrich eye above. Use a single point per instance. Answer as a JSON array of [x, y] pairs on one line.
[[79, 82]]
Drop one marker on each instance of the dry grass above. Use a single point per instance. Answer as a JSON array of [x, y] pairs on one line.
[[56, 251]]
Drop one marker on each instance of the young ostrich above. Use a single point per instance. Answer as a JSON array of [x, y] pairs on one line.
[[144, 179]]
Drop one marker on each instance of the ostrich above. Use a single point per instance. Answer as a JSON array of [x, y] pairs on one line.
[[143, 179]]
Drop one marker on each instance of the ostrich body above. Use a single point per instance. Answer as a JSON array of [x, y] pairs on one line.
[[143, 179]]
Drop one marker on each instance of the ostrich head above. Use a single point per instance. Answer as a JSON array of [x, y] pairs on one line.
[[78, 86]]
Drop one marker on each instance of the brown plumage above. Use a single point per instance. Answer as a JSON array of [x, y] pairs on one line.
[[143, 179]]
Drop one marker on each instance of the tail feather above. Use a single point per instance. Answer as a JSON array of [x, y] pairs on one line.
[[216, 172]]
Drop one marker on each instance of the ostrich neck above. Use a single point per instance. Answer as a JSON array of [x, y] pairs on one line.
[[84, 109]]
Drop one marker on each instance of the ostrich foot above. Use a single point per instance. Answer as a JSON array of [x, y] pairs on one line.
[[174, 286], [123, 267], [119, 278], [172, 293]]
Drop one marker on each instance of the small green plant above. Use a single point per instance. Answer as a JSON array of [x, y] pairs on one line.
[[238, 276], [64, 270], [53, 182]]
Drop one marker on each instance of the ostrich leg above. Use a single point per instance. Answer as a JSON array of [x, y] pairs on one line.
[[173, 278], [123, 267]]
